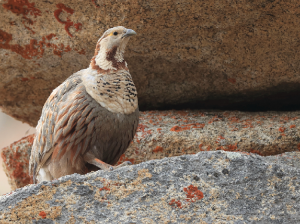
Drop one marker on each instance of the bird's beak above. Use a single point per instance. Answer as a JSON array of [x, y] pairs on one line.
[[129, 33]]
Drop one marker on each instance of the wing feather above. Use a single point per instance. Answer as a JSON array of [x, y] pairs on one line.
[[90, 127], [80, 123], [71, 123], [66, 123], [79, 138]]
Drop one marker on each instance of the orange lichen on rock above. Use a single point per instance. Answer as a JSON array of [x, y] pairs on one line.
[[247, 123], [43, 214], [16, 166], [298, 146], [35, 48], [57, 52], [200, 147], [123, 159], [15, 162], [230, 147], [78, 26], [50, 36], [198, 125], [61, 7], [175, 203], [177, 128], [18, 171], [104, 189], [192, 193], [215, 118], [234, 119], [23, 7], [187, 127], [292, 126], [158, 149], [68, 48], [30, 138], [141, 127], [281, 129]]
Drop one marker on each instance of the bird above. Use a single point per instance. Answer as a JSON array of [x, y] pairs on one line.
[[89, 120]]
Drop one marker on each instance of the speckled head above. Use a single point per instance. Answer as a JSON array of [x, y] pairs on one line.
[[110, 49]]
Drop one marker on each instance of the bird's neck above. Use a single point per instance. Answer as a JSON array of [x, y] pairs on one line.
[[108, 60]]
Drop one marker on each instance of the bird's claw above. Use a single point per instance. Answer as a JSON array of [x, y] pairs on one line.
[[126, 163]]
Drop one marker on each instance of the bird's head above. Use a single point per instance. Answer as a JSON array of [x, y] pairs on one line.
[[110, 49]]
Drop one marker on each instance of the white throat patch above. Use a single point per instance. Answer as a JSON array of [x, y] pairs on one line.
[[101, 60]]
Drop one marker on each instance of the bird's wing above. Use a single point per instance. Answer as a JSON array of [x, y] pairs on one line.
[[67, 122]]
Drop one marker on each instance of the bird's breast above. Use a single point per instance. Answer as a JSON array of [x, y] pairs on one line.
[[116, 92]]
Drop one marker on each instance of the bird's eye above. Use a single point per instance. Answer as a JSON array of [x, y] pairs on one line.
[[115, 33]]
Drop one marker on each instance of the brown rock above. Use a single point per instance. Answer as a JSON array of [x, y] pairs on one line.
[[172, 133], [16, 160], [210, 54]]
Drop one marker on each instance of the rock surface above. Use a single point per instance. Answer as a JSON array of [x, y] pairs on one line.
[[172, 133], [16, 161], [211, 54], [210, 187]]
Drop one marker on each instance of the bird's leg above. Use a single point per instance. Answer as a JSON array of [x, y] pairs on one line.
[[90, 158]]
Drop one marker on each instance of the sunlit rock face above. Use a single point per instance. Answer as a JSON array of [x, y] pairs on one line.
[[204, 54]]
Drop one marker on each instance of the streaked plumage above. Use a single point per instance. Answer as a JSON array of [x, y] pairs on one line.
[[89, 120]]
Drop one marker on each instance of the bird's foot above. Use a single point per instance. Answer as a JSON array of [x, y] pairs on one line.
[[104, 166], [126, 163]]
